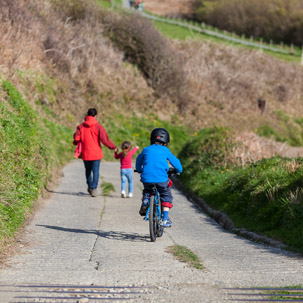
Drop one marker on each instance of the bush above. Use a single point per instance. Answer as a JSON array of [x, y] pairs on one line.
[[211, 147], [145, 47], [272, 19], [73, 10]]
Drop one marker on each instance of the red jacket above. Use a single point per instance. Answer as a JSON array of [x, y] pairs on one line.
[[91, 134]]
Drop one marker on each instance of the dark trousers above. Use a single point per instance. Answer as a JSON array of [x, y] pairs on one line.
[[92, 173], [166, 197]]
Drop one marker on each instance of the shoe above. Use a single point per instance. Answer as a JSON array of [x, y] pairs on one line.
[[130, 195], [167, 223], [89, 190], [123, 194], [93, 192], [143, 209]]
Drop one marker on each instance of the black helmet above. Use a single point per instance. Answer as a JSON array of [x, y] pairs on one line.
[[159, 135]]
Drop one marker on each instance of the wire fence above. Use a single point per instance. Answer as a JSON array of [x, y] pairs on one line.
[[202, 28]]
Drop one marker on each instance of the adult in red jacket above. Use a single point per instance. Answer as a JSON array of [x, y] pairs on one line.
[[90, 134]]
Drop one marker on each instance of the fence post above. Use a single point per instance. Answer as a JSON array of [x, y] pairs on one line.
[[292, 50], [261, 44]]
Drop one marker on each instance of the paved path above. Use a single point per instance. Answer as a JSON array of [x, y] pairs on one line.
[[75, 241]]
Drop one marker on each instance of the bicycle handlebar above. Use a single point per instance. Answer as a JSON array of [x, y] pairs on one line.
[[171, 171]]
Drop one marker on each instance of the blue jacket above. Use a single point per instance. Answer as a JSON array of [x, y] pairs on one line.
[[153, 165]]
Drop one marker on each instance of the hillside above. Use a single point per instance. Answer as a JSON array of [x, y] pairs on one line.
[[69, 53]]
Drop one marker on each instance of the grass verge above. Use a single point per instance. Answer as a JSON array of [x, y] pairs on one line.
[[31, 147]]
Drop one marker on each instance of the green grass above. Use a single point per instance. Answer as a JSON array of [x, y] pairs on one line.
[[183, 254], [104, 4], [114, 4], [30, 148], [265, 197], [176, 32], [107, 188], [287, 130]]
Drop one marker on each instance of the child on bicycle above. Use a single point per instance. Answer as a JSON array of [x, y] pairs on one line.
[[152, 163], [126, 171]]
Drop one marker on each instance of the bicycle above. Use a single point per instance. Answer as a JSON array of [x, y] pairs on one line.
[[154, 211]]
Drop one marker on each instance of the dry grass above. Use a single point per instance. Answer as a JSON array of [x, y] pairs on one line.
[[36, 37], [225, 82], [252, 148], [19, 38], [82, 53]]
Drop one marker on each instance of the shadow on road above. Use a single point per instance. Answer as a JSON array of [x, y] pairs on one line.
[[122, 236], [79, 194], [112, 235], [68, 193]]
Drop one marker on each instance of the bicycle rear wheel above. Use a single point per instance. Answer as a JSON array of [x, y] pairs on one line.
[[152, 219], [160, 228]]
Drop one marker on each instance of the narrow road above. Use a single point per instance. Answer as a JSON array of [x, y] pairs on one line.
[[101, 246]]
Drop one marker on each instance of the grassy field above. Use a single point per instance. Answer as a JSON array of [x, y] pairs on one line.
[[173, 31]]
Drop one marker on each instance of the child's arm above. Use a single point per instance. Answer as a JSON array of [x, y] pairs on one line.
[[175, 162], [134, 150], [117, 156], [139, 162]]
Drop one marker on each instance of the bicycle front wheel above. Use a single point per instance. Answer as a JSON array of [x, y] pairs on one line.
[[152, 219]]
